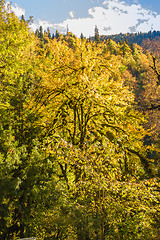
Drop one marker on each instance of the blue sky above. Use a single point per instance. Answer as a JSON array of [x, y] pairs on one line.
[[55, 10], [58, 10], [58, 13]]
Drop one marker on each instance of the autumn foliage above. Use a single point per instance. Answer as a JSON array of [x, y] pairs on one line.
[[73, 156]]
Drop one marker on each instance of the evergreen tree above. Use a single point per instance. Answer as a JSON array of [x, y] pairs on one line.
[[48, 33], [40, 32], [126, 41], [67, 30], [96, 35], [22, 18], [37, 32], [82, 37], [57, 34]]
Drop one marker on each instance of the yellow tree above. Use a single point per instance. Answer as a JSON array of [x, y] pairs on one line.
[[85, 101], [94, 136], [19, 127]]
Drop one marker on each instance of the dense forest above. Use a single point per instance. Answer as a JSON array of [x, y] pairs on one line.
[[79, 136], [133, 37]]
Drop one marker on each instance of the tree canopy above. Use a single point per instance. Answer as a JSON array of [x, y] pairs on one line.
[[74, 163]]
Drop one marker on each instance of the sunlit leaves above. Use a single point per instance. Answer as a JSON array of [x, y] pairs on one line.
[[73, 162]]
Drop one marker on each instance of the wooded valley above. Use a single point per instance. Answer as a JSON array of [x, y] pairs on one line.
[[79, 136]]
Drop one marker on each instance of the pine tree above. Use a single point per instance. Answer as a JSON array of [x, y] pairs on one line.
[[48, 33], [37, 32], [57, 34], [96, 35], [40, 32], [22, 18], [81, 36], [67, 30]]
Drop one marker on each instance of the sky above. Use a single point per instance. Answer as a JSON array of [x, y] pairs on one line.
[[110, 16]]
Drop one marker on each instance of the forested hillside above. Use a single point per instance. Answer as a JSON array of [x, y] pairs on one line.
[[79, 144], [133, 37]]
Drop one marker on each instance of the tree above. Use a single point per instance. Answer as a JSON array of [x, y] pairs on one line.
[[22, 18], [48, 33], [67, 31], [96, 140], [73, 162], [82, 37], [57, 34], [22, 157], [154, 67], [40, 32], [96, 35]]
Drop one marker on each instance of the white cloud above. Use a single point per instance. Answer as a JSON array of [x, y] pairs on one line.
[[112, 17], [20, 11], [43, 23], [16, 9], [71, 14]]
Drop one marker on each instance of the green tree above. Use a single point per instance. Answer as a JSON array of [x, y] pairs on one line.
[[57, 34], [40, 32], [96, 35], [22, 158], [82, 37]]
